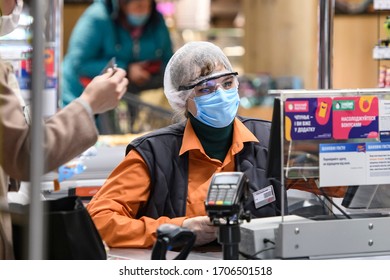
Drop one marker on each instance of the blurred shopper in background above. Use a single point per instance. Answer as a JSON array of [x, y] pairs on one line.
[[66, 134], [132, 31]]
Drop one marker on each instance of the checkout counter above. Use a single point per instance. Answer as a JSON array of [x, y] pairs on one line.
[[145, 254], [97, 162], [288, 237], [97, 168]]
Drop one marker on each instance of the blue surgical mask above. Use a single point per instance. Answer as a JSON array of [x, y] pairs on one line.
[[137, 20], [217, 109]]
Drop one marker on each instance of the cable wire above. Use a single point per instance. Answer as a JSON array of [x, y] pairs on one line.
[[334, 204], [253, 256]]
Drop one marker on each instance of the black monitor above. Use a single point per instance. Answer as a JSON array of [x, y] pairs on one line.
[[274, 167], [300, 156]]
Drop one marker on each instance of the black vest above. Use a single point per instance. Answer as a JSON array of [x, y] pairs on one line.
[[169, 172]]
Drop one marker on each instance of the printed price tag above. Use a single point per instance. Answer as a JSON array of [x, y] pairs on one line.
[[264, 196]]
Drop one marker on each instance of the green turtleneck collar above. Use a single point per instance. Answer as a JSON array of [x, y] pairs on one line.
[[215, 141]]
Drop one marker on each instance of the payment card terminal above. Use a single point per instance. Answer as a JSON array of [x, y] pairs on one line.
[[227, 192]]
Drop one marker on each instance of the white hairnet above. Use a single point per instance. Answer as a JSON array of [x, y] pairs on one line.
[[190, 64]]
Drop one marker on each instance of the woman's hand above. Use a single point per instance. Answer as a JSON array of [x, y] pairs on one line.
[[203, 228], [137, 73]]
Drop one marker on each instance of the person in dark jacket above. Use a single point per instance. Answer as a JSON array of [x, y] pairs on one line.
[[165, 175], [132, 31]]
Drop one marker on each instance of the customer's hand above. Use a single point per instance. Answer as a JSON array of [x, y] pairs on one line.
[[137, 73], [104, 92], [203, 228]]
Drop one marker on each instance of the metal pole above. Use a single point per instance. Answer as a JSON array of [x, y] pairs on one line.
[[325, 43], [229, 237], [325, 47], [36, 218], [283, 175]]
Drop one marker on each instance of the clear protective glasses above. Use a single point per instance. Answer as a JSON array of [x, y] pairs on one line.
[[209, 85]]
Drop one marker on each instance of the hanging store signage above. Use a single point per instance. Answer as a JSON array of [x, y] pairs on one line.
[[384, 120], [308, 118], [355, 117], [349, 164]]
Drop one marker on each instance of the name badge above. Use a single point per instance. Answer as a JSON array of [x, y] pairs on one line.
[[264, 196]]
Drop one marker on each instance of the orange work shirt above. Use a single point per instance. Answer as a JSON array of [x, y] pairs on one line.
[[115, 206]]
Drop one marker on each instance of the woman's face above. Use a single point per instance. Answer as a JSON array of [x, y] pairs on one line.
[[138, 7], [191, 106]]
